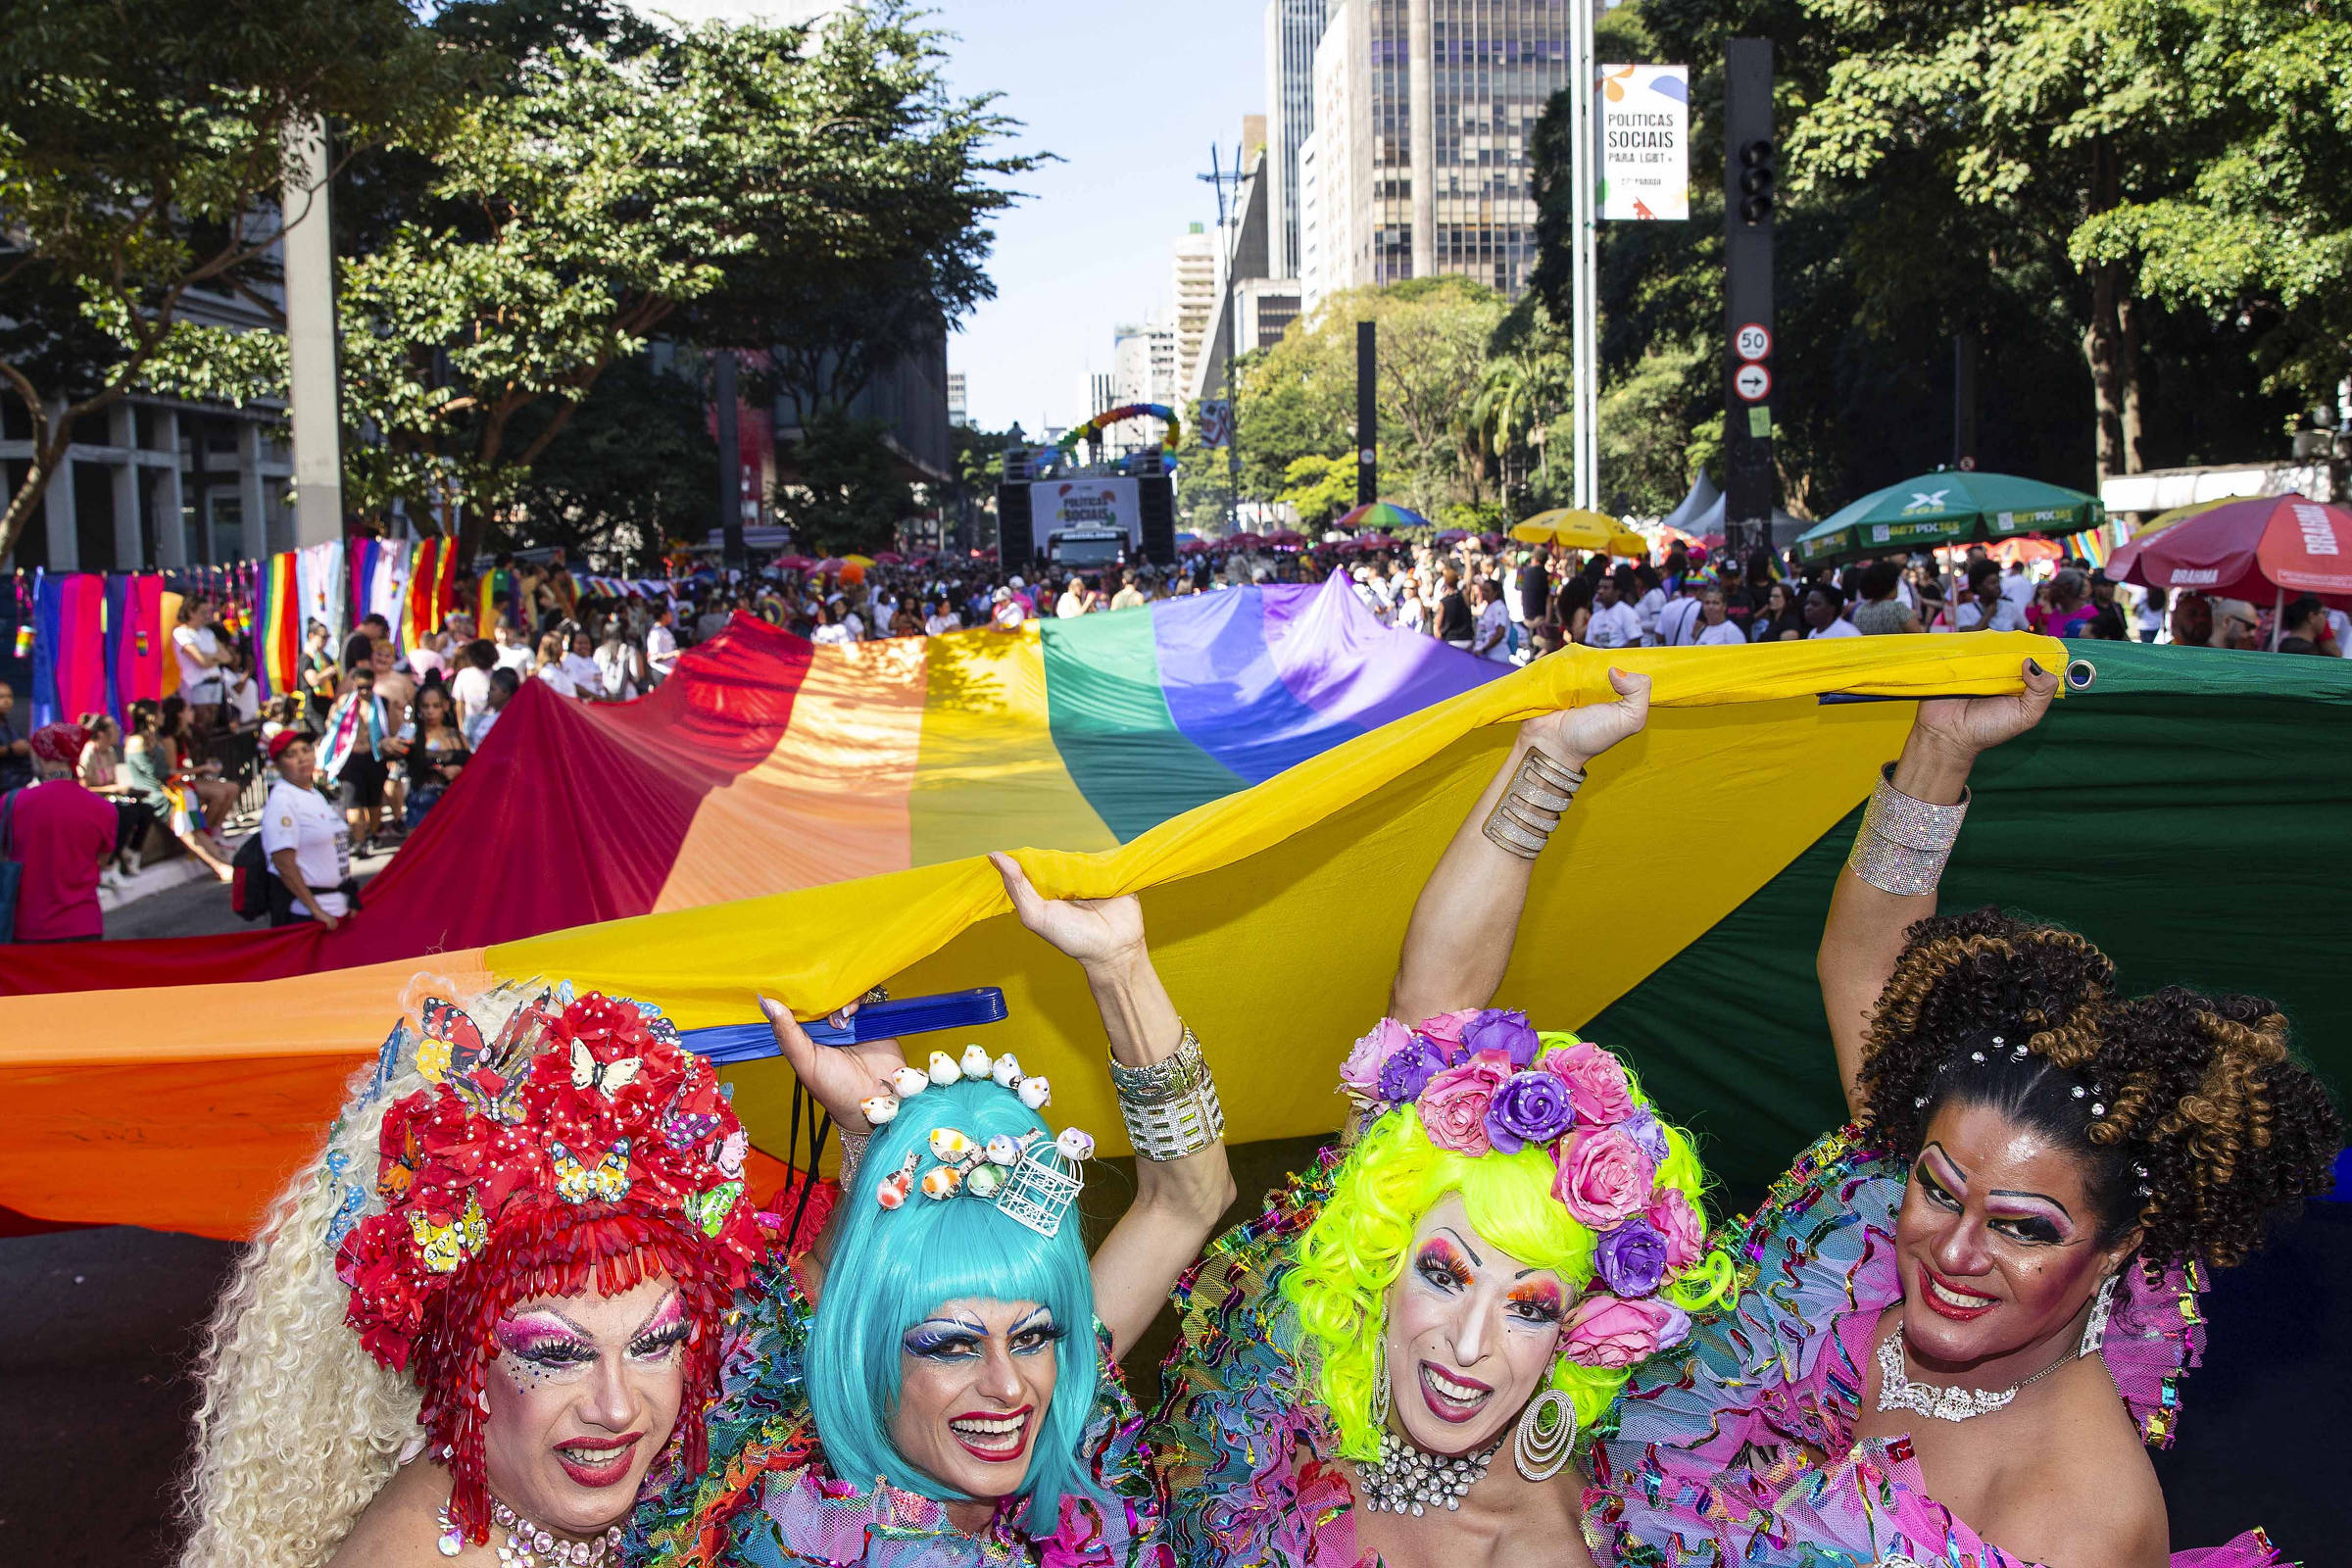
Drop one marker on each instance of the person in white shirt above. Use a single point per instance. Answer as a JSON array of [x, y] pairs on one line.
[[1649, 602], [1678, 622], [513, 650], [661, 644], [306, 840], [1716, 628], [2017, 587], [1615, 625], [1007, 613], [1075, 600], [835, 631], [579, 662], [1492, 638], [551, 666], [940, 618], [1822, 610], [470, 687], [504, 684], [197, 648], [1988, 606], [616, 663]]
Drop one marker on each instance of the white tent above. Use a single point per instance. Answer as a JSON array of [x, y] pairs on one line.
[[1702, 512]]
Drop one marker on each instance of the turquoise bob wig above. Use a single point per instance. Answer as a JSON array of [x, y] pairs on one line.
[[893, 1268]]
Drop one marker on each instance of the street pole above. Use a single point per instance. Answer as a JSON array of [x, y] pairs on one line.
[[730, 461], [1584, 328], [1750, 174], [313, 387], [1367, 412]]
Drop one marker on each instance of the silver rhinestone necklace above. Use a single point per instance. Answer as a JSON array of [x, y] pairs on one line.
[[528, 1546], [1896, 1391], [1409, 1480]]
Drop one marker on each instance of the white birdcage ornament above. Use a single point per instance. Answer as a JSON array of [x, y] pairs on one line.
[[1040, 1188]]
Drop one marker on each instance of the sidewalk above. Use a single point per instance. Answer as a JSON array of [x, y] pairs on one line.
[[180, 898]]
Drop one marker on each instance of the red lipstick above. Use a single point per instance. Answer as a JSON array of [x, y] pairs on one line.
[[1450, 1408], [598, 1474], [1929, 1279], [995, 1448]]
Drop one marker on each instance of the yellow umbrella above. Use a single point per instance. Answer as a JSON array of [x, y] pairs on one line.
[[2165, 520], [858, 560], [1574, 528]]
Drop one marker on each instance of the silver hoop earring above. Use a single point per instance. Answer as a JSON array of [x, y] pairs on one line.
[[2102, 1307], [1380, 1388], [1547, 1432]]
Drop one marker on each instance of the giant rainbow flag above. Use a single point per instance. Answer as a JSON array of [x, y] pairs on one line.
[[1275, 775]]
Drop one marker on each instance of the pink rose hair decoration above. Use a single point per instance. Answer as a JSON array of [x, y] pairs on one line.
[[1486, 1081]]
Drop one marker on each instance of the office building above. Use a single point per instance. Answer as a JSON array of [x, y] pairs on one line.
[[1195, 287], [1252, 300], [1293, 29], [1418, 163]]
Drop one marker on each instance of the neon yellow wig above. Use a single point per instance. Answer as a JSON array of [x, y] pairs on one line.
[[1355, 1251]]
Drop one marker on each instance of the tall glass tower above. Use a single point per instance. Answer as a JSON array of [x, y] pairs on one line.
[[1293, 28]]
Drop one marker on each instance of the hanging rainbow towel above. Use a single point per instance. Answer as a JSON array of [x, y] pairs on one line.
[[278, 606]]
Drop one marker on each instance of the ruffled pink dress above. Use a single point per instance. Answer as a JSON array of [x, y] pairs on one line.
[[1708, 1462]]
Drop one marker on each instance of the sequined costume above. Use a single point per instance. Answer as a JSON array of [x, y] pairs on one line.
[[1249, 1461], [767, 1499], [1680, 1483]]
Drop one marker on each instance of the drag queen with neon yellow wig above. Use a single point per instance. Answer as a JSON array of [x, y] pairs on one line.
[[936, 1384], [1400, 1357]]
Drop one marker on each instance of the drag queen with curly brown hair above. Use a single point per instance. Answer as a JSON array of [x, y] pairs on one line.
[[1963, 1318]]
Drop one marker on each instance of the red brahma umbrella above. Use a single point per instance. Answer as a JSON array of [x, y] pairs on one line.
[[2264, 548]]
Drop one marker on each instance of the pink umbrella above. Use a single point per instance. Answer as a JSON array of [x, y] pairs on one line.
[[831, 564], [1286, 539], [889, 557], [2265, 548], [1194, 547], [794, 562], [1242, 541]]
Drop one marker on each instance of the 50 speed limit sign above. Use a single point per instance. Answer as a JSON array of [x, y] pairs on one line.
[[1753, 342], [1751, 382]]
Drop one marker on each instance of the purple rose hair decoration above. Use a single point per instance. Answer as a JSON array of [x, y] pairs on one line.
[[1632, 1259], [1644, 1129], [1531, 1107], [1408, 1067], [1506, 1032]]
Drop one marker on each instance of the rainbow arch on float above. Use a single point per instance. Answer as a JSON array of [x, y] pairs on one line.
[[1092, 429]]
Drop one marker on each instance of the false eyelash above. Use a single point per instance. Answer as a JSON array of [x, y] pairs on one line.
[[660, 1340], [553, 1352], [939, 1342]]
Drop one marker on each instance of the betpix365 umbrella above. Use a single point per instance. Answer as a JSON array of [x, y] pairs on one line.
[[2267, 547], [1949, 507]]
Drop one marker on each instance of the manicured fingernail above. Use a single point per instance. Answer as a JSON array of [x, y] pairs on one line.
[[768, 1005], [2034, 664]]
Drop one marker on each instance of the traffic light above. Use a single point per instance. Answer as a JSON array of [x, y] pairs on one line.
[[1758, 174]]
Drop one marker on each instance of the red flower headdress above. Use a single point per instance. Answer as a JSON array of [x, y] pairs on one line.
[[579, 1146]]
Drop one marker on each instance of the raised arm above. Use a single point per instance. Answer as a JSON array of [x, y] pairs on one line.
[[1871, 916], [1459, 941], [1177, 1200]]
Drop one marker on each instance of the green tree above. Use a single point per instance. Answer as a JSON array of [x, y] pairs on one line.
[[633, 468], [848, 490], [143, 154], [606, 196], [1320, 487]]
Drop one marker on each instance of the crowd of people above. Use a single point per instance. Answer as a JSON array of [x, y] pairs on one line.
[[391, 724]]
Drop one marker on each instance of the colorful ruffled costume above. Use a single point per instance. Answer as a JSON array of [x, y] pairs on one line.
[[766, 1497], [1242, 1444], [1785, 1368]]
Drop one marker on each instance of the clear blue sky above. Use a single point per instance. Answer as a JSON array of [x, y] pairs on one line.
[[1129, 95]]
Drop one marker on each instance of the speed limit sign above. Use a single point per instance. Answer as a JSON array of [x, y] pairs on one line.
[[1753, 383], [1753, 342]]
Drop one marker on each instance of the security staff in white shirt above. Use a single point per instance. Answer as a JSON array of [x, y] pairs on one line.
[[1613, 623], [305, 839]]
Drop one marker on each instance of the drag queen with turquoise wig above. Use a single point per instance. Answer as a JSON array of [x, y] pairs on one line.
[[1403, 1357], [934, 1385]]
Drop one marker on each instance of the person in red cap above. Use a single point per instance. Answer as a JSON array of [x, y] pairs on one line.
[[306, 840], [63, 836]]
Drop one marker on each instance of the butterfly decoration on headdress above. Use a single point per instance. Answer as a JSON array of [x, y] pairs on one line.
[[446, 1244], [606, 1181], [396, 1172], [607, 1078], [450, 1042], [708, 1207]]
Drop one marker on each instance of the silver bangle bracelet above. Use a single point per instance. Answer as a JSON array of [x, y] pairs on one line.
[[1171, 1108], [1523, 820], [853, 1154], [1905, 843]]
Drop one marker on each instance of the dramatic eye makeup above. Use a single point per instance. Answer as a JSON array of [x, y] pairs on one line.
[[1441, 1263], [1036, 1332], [1537, 1301], [944, 1338], [544, 1342], [663, 1332]]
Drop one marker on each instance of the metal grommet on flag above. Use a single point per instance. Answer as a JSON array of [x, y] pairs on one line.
[[2079, 674]]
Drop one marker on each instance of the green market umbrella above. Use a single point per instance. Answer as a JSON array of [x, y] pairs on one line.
[[1949, 507]]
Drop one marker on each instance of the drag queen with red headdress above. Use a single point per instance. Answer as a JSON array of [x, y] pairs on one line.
[[474, 1323]]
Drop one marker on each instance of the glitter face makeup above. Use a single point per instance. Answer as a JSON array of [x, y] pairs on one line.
[[1471, 1332], [585, 1396], [975, 1380]]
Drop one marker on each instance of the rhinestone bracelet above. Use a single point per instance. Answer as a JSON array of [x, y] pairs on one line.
[[852, 1153], [1170, 1108], [1905, 843], [1523, 820]]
